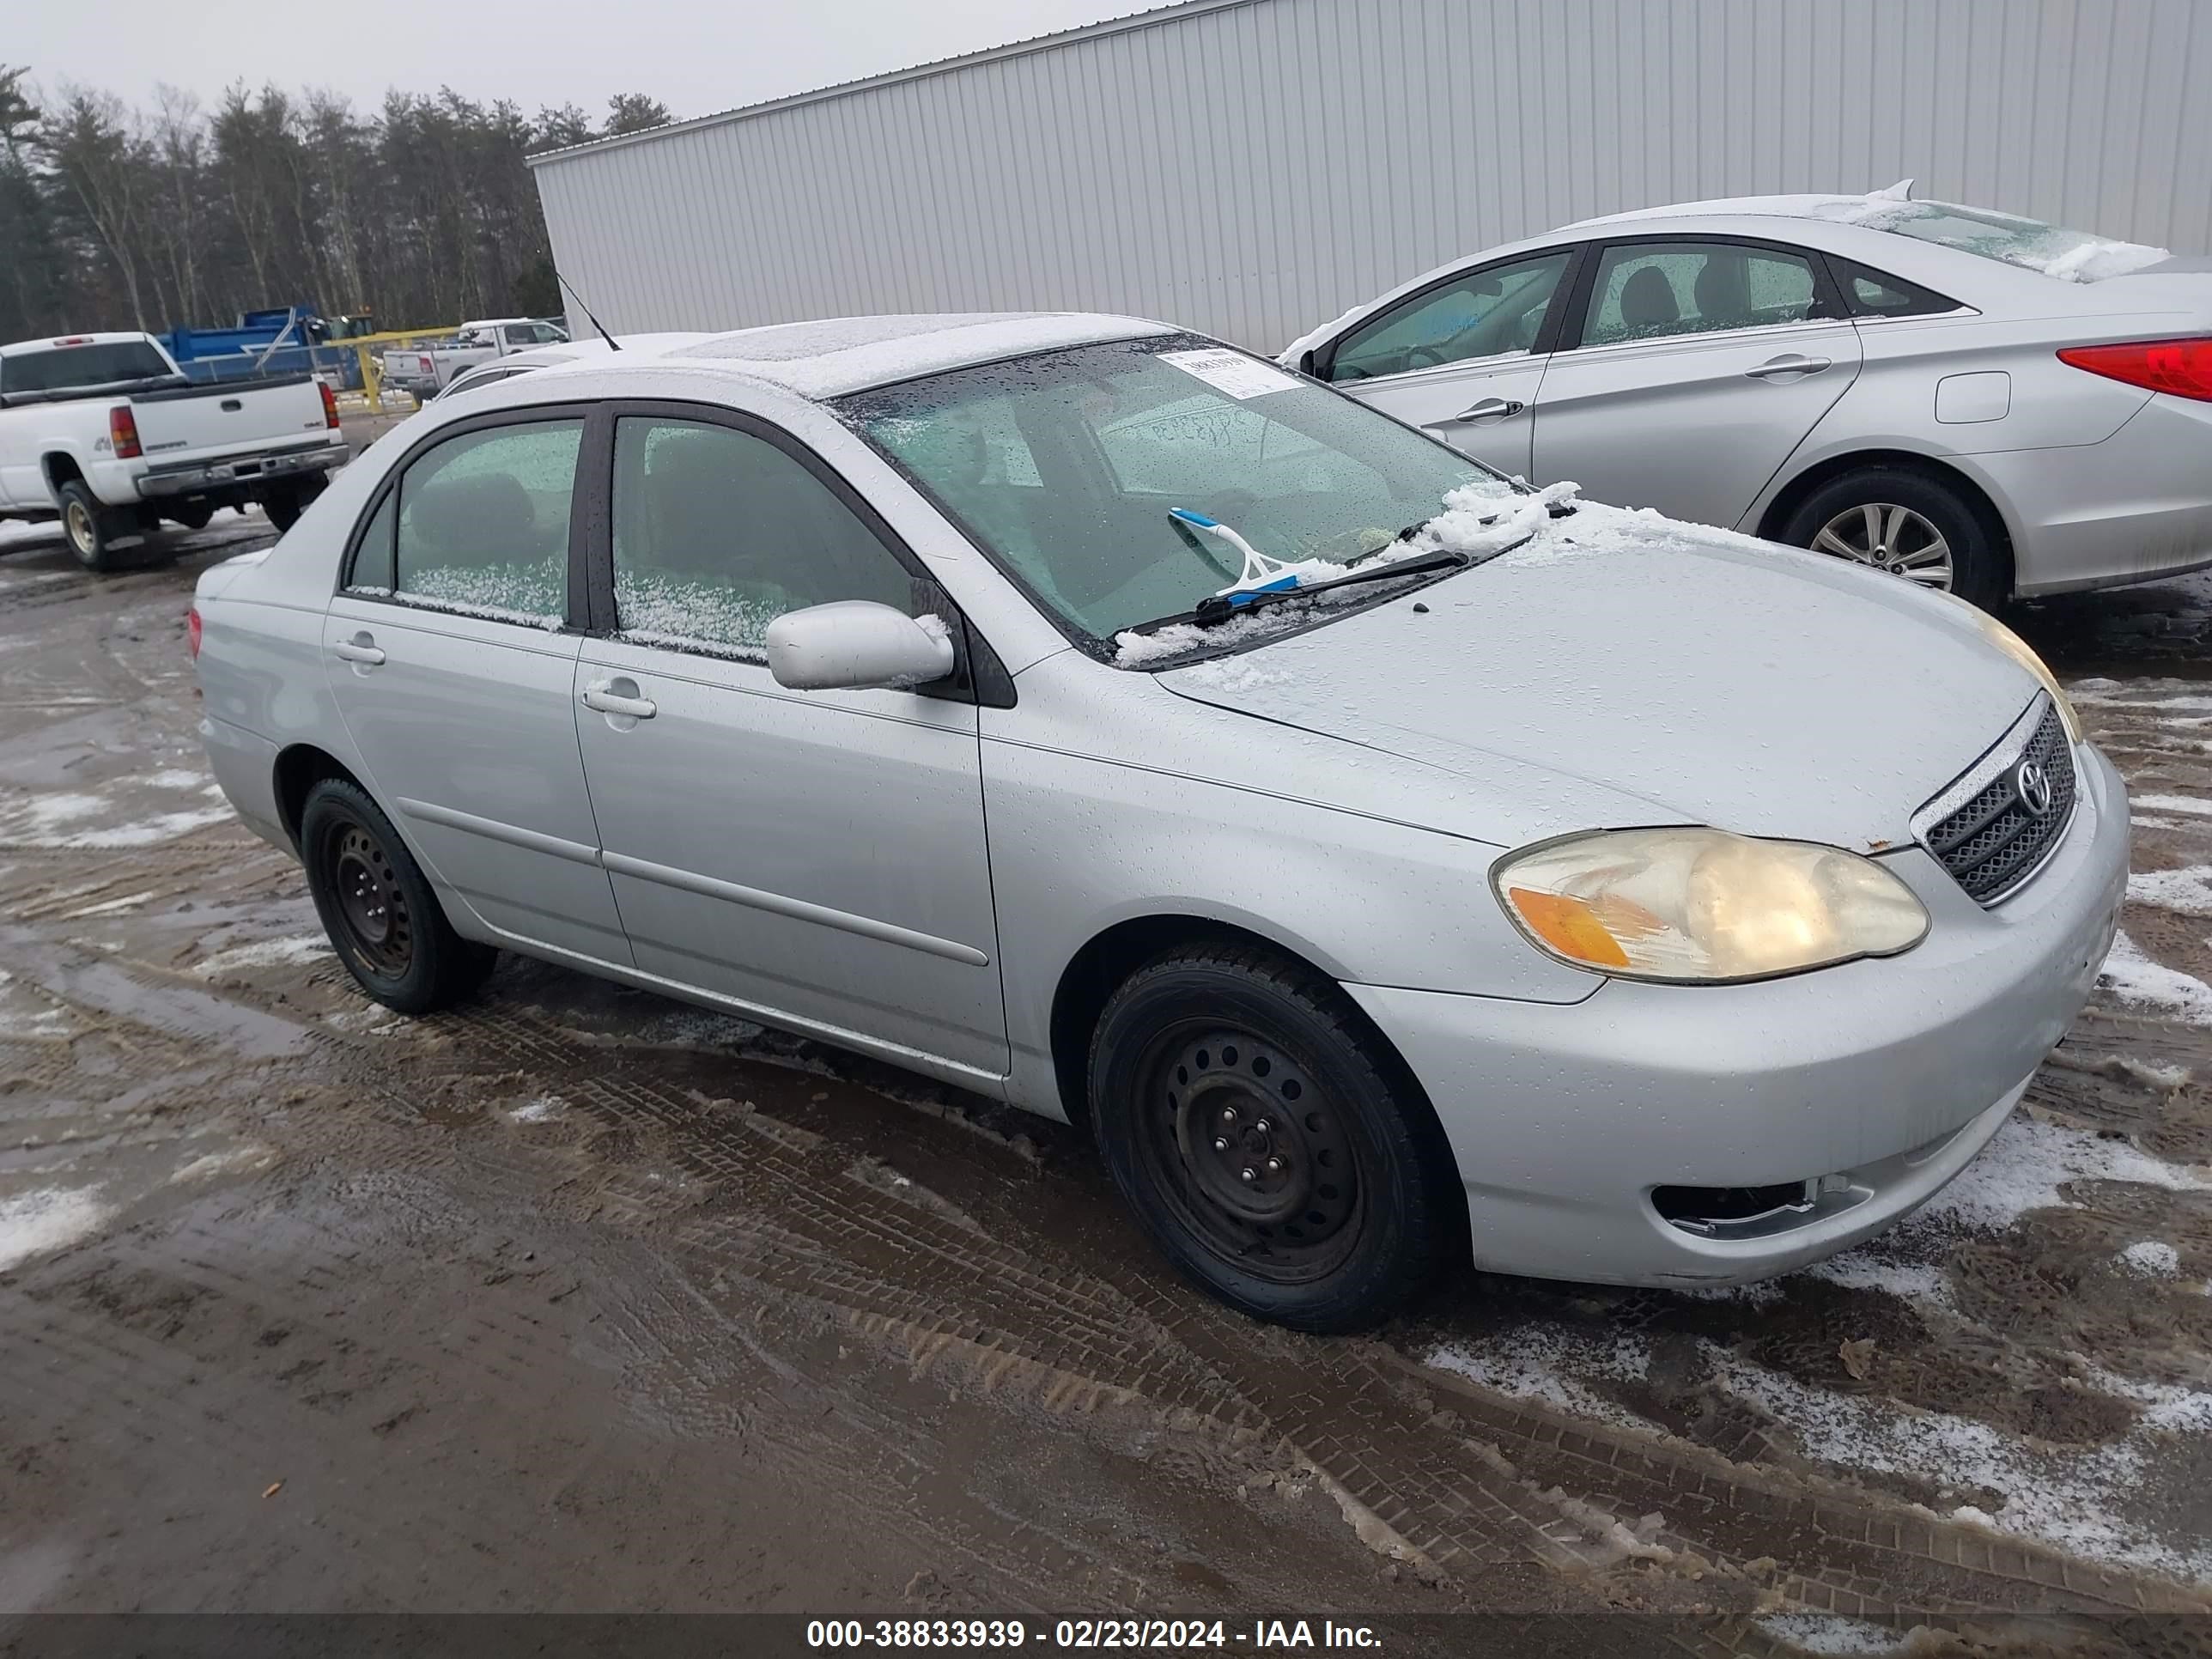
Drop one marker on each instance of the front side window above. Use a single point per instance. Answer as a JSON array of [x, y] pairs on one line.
[[482, 522], [718, 533], [521, 334], [1066, 467], [1484, 314], [1652, 290]]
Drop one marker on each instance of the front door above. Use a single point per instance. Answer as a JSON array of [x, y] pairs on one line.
[[817, 856], [1700, 367], [1461, 360], [446, 654]]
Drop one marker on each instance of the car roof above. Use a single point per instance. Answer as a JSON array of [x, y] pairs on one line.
[[1730, 207], [836, 355]]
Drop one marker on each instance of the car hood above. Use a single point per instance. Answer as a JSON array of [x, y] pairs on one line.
[[1625, 669]]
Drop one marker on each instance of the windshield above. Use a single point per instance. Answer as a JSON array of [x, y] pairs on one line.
[[2074, 255], [63, 366], [1066, 467]]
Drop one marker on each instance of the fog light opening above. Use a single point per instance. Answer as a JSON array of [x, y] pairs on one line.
[[1713, 1210]]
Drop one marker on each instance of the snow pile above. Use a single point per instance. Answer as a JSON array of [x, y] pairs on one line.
[[263, 953], [2152, 1258], [2133, 977], [41, 1223]]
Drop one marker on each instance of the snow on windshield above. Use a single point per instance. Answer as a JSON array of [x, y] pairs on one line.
[[2071, 256]]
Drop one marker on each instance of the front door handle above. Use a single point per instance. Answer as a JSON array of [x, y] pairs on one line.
[[361, 648], [619, 696], [1489, 409], [1788, 365]]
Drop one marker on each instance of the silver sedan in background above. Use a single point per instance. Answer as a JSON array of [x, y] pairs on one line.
[[1377, 858], [1975, 401]]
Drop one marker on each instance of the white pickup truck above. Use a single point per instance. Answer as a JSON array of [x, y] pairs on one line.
[[104, 432], [422, 372]]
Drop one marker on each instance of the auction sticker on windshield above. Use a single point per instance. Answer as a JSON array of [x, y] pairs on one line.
[[1231, 372]]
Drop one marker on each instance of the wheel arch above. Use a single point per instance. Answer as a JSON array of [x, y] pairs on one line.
[[1793, 495], [299, 769], [58, 467]]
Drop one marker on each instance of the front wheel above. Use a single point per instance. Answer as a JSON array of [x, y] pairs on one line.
[[1276, 1153], [1909, 525], [383, 919]]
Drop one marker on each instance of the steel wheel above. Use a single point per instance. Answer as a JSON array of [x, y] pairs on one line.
[[1889, 538], [1250, 1152], [371, 901], [77, 520]]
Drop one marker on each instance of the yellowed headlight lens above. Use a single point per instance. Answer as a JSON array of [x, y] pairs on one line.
[[1695, 904]]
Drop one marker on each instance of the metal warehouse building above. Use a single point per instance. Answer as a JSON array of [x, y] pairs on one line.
[[1251, 167]]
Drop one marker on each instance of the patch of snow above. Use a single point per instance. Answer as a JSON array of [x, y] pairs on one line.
[[2026, 1164], [2153, 1258], [264, 953], [2187, 892], [1830, 1632], [543, 1109], [1548, 1365], [177, 777], [1862, 1270], [41, 1223], [111, 907], [240, 1160], [2188, 804], [2133, 977]]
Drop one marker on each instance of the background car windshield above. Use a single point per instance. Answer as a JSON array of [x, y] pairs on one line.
[[1065, 467], [87, 365]]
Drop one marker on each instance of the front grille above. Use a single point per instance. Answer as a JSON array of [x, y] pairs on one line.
[[1995, 840]]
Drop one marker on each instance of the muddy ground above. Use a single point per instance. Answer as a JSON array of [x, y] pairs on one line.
[[578, 1299]]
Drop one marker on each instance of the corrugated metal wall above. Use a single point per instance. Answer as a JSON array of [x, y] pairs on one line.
[[1253, 167]]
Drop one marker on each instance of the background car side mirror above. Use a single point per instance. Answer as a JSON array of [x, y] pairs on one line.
[[856, 645]]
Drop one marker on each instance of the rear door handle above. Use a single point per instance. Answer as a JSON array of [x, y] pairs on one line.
[[1488, 410], [1789, 364], [361, 648], [601, 695]]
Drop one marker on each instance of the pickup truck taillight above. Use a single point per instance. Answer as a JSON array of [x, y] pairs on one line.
[[122, 432], [2183, 367], [330, 404], [192, 629]]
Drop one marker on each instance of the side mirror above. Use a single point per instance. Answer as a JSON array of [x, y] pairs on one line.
[[1306, 364], [856, 645]]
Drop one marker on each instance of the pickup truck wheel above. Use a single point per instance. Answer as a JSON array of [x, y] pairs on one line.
[[285, 503], [195, 517], [1276, 1152], [95, 531]]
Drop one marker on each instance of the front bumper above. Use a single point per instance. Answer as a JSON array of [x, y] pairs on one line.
[[240, 471], [1887, 1076]]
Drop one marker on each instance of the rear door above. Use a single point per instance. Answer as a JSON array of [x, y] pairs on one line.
[[1693, 367], [818, 856], [1463, 358], [449, 652]]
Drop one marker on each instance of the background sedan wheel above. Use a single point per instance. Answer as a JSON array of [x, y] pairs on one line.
[[383, 919], [1275, 1148], [1909, 524]]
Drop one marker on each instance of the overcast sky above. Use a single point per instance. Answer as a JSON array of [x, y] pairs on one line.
[[696, 56]]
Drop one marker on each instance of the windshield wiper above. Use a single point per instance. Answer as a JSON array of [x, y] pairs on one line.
[[1557, 510], [1218, 608]]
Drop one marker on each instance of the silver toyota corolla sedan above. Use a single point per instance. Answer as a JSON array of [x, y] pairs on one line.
[[1390, 866], [1975, 401]]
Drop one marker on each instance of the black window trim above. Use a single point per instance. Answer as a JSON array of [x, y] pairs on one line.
[[1840, 265], [1829, 304], [978, 675], [388, 485], [1547, 336]]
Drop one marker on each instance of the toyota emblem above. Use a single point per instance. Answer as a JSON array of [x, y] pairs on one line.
[[2032, 785]]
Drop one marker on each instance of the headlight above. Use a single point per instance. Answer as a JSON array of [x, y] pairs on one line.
[[1703, 904], [2023, 654]]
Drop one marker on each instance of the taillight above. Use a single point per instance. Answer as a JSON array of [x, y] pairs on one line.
[[2183, 367], [330, 404], [193, 629], [428, 368], [122, 432]]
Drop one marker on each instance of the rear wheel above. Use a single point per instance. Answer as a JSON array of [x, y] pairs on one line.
[[193, 515], [1909, 525], [96, 532], [284, 503], [376, 905], [1275, 1152]]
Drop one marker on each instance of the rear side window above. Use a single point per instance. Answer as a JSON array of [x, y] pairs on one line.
[[1873, 294], [718, 533], [483, 523], [1484, 314], [1652, 290]]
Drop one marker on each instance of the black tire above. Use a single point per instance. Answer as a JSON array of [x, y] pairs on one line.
[[384, 922], [1981, 566], [284, 507], [1364, 1200], [195, 516], [96, 532]]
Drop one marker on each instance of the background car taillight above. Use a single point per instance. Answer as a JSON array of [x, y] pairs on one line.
[[2183, 367], [330, 404], [122, 432], [192, 629]]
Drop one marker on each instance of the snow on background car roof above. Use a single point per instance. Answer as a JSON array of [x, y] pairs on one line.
[[832, 357]]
